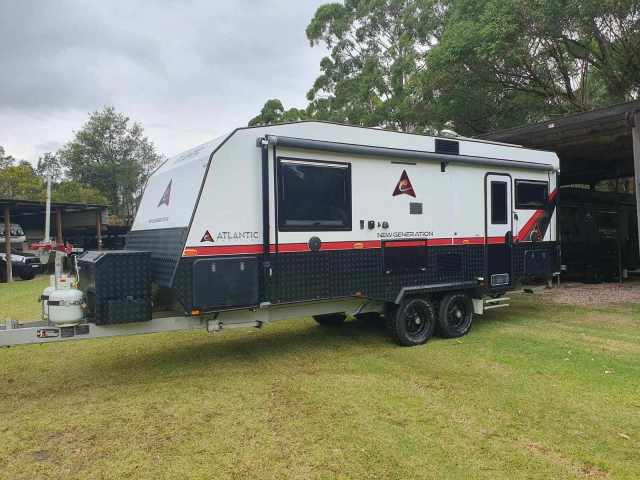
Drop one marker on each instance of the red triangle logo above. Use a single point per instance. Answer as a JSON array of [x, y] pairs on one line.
[[166, 196], [206, 237], [404, 186]]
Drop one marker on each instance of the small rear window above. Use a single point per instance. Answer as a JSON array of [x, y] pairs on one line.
[[531, 195]]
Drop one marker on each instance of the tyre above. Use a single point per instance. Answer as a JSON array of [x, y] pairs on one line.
[[455, 315], [27, 275], [330, 319], [413, 322]]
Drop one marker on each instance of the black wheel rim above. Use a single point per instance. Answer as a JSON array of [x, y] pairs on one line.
[[417, 319], [457, 313]]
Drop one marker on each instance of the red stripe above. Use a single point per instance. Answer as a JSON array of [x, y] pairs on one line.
[[205, 251], [469, 241], [289, 247], [282, 248], [303, 247], [537, 215], [526, 230], [223, 250], [414, 243], [351, 245], [495, 240], [439, 241]]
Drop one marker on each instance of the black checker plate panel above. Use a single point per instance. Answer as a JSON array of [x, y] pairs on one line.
[[343, 273], [165, 246]]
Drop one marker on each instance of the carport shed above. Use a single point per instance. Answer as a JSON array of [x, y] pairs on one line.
[[594, 146], [31, 214]]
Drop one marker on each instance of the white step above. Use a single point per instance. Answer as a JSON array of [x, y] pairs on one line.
[[491, 307], [496, 300]]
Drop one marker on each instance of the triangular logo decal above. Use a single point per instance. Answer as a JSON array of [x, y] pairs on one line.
[[206, 237], [404, 186], [166, 196]]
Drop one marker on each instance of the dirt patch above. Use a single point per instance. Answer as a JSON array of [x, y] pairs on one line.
[[582, 470], [599, 294]]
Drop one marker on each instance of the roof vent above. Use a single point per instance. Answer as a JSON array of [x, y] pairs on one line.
[[450, 147]]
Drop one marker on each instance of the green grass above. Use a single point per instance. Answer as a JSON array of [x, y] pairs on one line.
[[19, 299], [535, 391]]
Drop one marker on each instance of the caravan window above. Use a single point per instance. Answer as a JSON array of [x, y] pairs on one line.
[[313, 195], [531, 195], [499, 203]]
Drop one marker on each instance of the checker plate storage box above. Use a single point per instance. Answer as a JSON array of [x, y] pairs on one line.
[[117, 285]]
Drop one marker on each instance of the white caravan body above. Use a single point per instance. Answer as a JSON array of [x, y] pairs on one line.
[[432, 200], [321, 219]]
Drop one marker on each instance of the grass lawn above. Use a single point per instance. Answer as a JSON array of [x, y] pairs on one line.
[[534, 391], [19, 300]]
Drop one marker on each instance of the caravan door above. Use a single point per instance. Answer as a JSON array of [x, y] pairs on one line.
[[498, 229]]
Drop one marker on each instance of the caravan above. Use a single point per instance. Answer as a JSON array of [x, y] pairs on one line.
[[324, 220]]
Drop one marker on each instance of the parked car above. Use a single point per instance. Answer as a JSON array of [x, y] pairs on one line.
[[24, 265], [16, 232]]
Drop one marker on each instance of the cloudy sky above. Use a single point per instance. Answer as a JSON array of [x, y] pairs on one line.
[[188, 71]]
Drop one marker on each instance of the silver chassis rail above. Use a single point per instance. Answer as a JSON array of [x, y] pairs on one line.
[[13, 333]]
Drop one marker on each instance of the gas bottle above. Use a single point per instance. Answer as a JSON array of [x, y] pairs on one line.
[[65, 306]]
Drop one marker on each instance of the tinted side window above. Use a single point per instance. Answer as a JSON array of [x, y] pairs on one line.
[[531, 195], [313, 195], [499, 203]]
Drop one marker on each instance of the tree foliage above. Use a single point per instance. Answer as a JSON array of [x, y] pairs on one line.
[[5, 160], [273, 112], [70, 191], [21, 182], [505, 62], [377, 50], [49, 165], [477, 65], [112, 156]]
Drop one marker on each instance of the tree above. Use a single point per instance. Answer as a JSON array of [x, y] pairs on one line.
[[70, 191], [479, 65], [5, 160], [273, 112], [112, 156], [377, 49], [505, 62], [21, 182], [49, 164]]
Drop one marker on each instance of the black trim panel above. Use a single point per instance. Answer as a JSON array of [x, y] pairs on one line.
[[165, 245]]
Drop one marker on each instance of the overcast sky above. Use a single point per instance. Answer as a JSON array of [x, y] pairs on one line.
[[188, 71]]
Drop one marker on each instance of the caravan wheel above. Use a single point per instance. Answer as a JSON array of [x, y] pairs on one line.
[[413, 323], [330, 319], [455, 316]]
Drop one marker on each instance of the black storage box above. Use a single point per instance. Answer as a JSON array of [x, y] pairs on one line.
[[117, 285], [225, 282]]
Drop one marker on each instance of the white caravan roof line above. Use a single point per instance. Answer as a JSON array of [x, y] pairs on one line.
[[355, 149]]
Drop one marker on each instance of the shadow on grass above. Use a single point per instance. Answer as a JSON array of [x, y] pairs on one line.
[[245, 350]]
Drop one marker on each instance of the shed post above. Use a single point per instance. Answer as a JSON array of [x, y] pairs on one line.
[[619, 226], [635, 128], [59, 226], [7, 242], [99, 229]]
